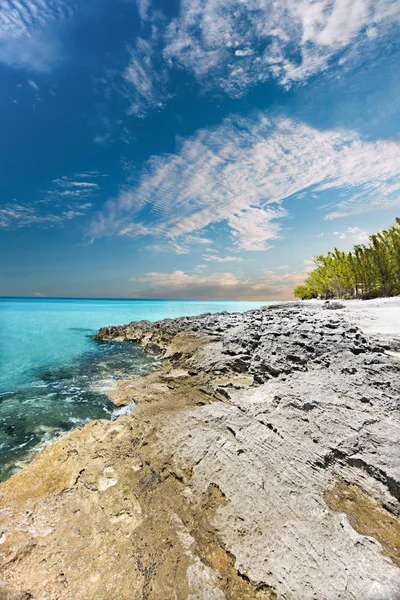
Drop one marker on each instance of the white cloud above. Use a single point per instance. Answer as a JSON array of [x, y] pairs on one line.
[[241, 172], [19, 18], [381, 195], [359, 235], [147, 75], [15, 215], [33, 85], [184, 244], [235, 44], [26, 39], [37, 53], [87, 175], [179, 284], [252, 227], [66, 183], [143, 9], [72, 187], [182, 279], [221, 259], [65, 200], [355, 234]]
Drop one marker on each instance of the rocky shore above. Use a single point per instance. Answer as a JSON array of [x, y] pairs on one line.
[[261, 462]]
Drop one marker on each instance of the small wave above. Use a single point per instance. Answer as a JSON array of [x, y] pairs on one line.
[[102, 386], [78, 422], [123, 410], [62, 399]]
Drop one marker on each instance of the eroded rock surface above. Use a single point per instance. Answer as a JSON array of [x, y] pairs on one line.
[[262, 461]]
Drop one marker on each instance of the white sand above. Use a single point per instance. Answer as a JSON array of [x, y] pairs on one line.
[[376, 317], [380, 317]]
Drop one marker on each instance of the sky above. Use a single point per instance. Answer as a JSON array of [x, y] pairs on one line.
[[192, 148]]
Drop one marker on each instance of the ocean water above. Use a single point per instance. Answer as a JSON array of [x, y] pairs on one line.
[[54, 377]]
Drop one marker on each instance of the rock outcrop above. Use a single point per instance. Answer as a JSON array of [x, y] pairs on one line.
[[261, 462]]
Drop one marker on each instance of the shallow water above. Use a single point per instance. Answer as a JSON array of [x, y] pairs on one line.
[[58, 400], [53, 377]]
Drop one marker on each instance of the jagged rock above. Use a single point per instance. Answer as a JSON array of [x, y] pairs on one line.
[[333, 305]]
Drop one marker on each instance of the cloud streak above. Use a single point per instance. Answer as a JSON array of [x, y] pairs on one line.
[[147, 74], [68, 198], [221, 259], [15, 216], [241, 174], [75, 187]]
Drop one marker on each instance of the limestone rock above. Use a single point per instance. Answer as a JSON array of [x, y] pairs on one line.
[[261, 462]]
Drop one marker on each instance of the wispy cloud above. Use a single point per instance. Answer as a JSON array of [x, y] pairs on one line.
[[143, 9], [147, 75], [382, 193], [355, 234], [87, 175], [233, 45], [67, 198], [241, 173], [20, 17], [253, 227], [179, 284], [26, 39], [15, 216], [186, 243], [33, 85], [110, 130], [77, 189], [221, 259], [74, 187]]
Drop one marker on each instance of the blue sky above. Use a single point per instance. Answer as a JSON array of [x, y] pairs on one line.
[[192, 148]]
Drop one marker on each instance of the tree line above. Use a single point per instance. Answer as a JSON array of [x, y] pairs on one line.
[[368, 271]]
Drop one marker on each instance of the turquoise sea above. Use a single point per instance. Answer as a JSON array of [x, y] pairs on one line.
[[54, 377]]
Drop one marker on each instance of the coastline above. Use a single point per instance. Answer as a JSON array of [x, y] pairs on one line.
[[53, 376], [260, 462]]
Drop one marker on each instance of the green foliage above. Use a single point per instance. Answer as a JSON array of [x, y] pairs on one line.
[[365, 272]]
